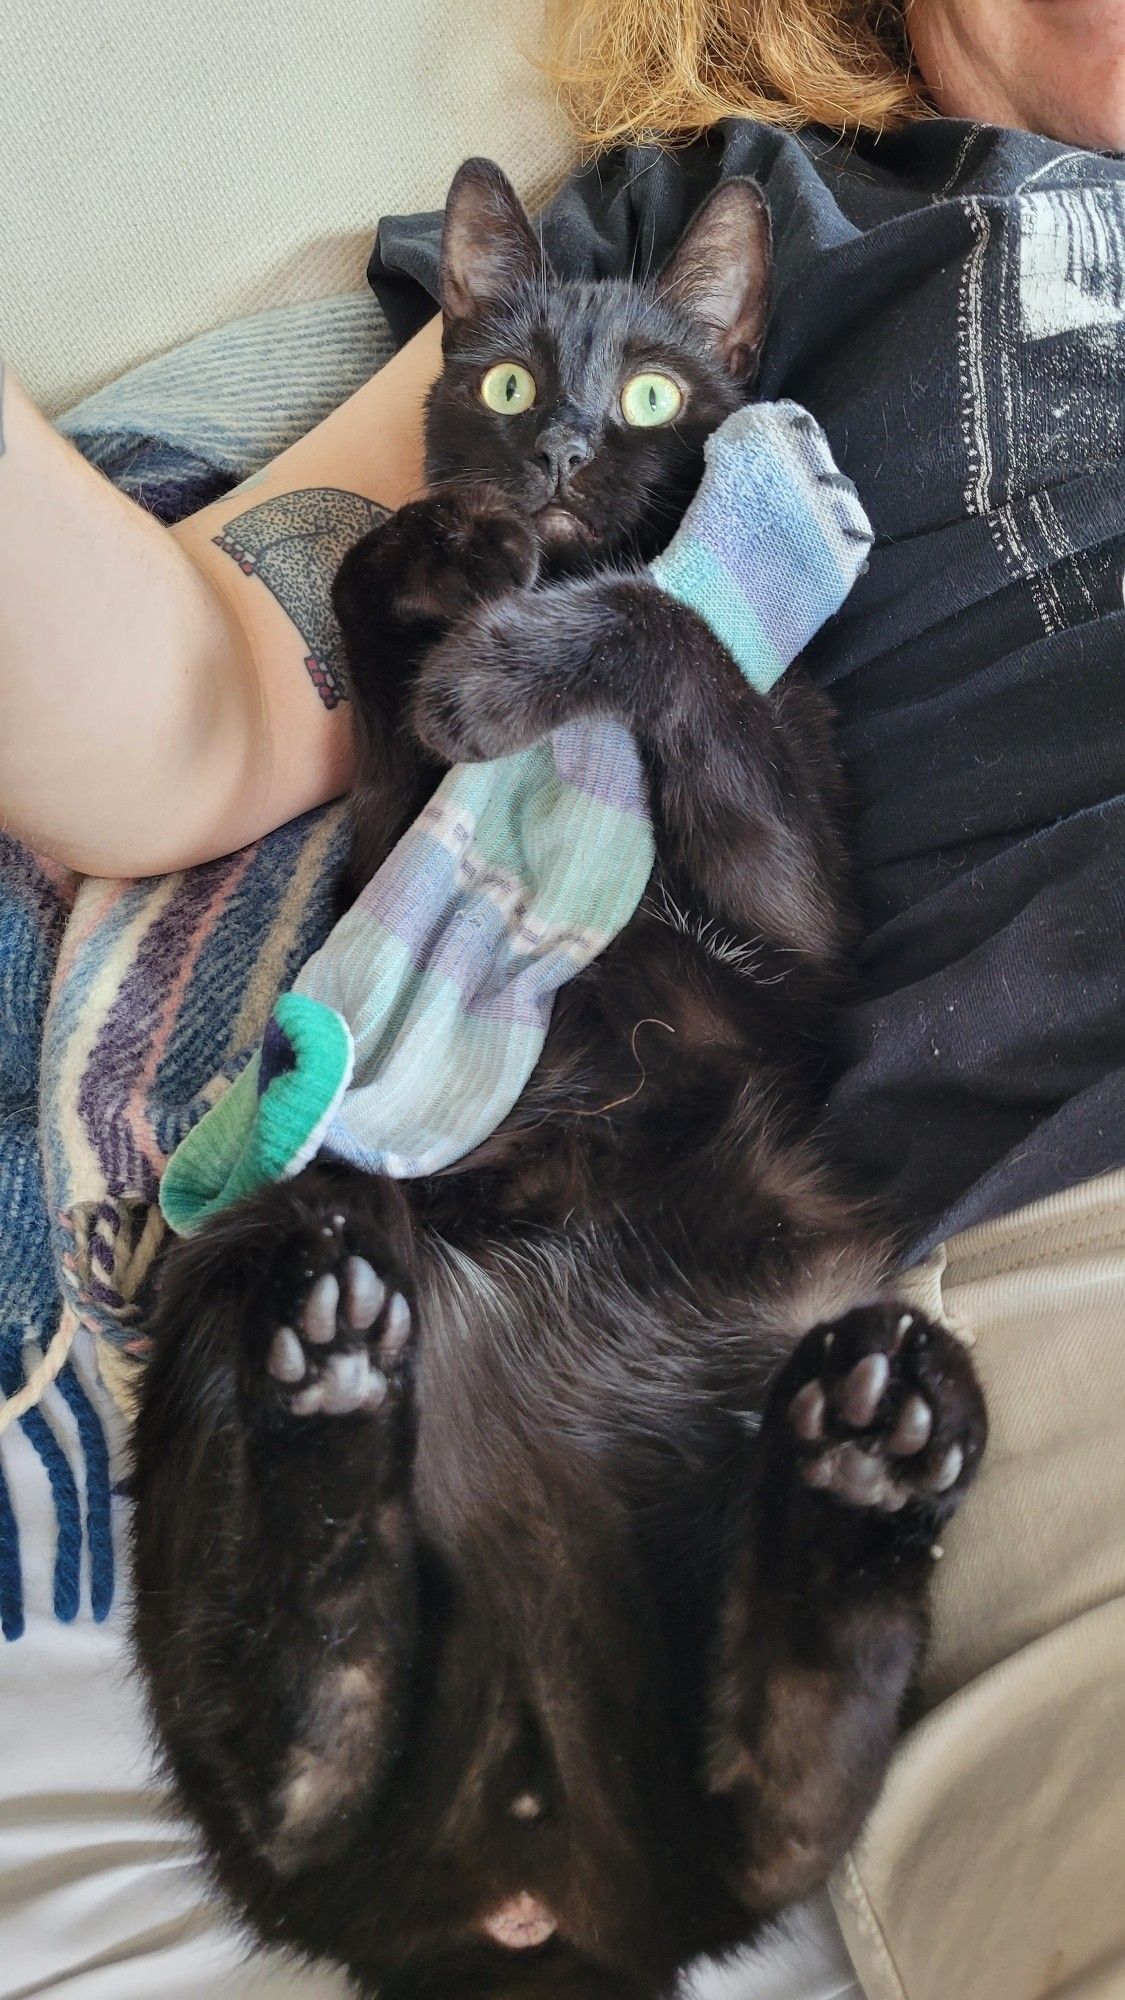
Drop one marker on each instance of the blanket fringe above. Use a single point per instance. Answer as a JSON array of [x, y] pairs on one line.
[[42, 1375], [21, 1405]]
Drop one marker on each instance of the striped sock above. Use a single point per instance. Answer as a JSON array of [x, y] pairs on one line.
[[773, 541]]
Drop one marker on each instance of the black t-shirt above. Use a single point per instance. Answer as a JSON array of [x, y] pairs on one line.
[[950, 303]]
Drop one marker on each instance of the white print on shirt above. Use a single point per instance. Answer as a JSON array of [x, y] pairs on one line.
[[1072, 261], [1041, 339]]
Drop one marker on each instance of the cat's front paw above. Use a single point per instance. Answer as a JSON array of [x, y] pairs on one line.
[[437, 558], [476, 695], [884, 1413]]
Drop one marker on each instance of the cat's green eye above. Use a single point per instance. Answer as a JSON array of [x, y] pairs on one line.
[[508, 388], [651, 399]]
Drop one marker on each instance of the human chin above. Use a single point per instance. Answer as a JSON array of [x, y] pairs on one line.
[[1056, 67], [1075, 63]]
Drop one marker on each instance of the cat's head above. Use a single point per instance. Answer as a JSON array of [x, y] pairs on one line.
[[588, 403]]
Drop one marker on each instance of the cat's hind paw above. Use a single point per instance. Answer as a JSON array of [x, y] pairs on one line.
[[885, 1413], [340, 1334]]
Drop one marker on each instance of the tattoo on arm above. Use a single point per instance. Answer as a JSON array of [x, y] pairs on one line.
[[295, 543]]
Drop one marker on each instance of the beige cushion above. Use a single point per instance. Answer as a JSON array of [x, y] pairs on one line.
[[168, 164], [993, 1866]]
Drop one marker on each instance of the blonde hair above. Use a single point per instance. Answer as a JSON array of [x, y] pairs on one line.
[[645, 69]]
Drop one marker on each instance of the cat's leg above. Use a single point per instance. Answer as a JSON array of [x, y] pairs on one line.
[[396, 593], [872, 1433], [745, 791], [273, 1532]]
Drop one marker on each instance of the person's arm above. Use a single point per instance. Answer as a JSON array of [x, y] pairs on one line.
[[167, 696]]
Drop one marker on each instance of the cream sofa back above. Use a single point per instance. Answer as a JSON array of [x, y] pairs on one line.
[[166, 165]]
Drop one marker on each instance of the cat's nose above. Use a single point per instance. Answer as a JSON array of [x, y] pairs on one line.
[[560, 452]]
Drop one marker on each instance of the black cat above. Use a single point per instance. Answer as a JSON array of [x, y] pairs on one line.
[[532, 1561]]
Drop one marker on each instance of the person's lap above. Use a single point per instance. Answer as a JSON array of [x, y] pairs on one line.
[[990, 1867]]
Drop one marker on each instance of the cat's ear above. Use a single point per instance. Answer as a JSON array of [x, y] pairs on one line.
[[719, 271], [488, 246]]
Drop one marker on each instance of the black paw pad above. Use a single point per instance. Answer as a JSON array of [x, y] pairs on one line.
[[888, 1413]]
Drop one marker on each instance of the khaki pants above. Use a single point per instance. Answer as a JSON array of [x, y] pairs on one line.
[[993, 1867]]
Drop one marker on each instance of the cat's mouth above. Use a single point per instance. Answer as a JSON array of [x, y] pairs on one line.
[[558, 522]]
